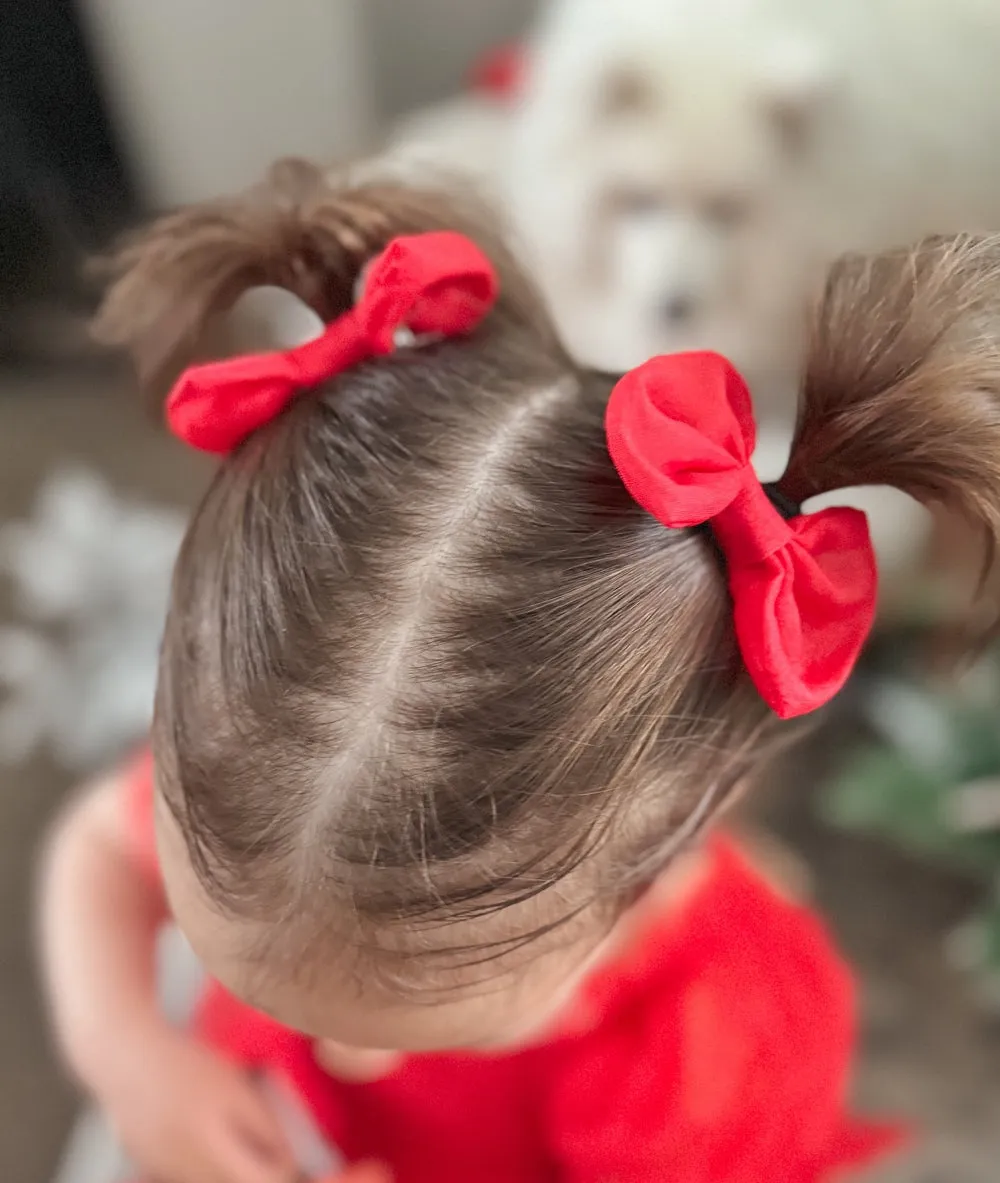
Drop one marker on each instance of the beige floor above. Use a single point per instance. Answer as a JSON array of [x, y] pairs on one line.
[[929, 1052]]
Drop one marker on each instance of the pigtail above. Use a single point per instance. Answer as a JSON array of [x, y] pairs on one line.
[[902, 384], [299, 230]]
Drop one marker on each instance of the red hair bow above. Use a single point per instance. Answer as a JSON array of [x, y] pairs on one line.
[[440, 284], [681, 434]]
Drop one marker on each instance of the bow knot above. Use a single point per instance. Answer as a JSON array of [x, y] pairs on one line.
[[750, 529], [681, 435], [438, 284]]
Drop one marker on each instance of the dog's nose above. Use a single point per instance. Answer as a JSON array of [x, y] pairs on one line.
[[678, 308]]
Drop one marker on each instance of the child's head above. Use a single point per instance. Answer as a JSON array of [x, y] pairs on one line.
[[437, 698]]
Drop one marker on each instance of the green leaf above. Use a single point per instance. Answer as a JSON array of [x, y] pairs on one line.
[[881, 794]]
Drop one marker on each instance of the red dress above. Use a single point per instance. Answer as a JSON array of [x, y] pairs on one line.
[[716, 1050]]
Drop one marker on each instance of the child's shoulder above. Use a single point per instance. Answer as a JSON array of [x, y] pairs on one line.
[[727, 1034], [738, 943]]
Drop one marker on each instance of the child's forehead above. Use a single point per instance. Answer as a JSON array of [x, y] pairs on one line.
[[496, 1009], [336, 993], [467, 1018]]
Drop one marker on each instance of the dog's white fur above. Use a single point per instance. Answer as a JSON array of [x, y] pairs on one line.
[[468, 136], [683, 170], [724, 152]]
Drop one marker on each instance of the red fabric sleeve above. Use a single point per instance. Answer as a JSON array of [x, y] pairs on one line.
[[733, 1066], [137, 803]]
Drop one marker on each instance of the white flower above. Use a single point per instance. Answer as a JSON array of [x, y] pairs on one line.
[[90, 574]]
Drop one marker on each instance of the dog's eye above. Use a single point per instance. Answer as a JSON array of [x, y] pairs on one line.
[[726, 210], [636, 202]]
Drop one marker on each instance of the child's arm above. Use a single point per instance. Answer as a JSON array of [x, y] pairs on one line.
[[101, 913], [184, 1114]]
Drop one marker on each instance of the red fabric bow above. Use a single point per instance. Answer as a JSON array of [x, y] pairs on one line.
[[439, 283], [681, 434], [501, 73]]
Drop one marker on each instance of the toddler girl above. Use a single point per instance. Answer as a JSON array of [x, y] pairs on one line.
[[468, 650]]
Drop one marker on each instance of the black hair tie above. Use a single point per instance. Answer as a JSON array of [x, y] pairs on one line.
[[781, 501]]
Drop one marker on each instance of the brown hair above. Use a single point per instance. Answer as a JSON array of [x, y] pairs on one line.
[[426, 660]]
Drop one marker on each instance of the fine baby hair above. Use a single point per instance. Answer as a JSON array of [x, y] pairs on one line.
[[451, 661]]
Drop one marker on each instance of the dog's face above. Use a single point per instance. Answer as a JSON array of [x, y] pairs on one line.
[[658, 203]]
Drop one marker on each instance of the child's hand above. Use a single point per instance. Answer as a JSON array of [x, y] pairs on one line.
[[364, 1172], [185, 1115]]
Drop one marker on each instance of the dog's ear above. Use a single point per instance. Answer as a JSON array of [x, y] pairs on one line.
[[796, 76]]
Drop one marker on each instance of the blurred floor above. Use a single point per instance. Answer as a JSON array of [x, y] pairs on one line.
[[47, 419], [930, 1053]]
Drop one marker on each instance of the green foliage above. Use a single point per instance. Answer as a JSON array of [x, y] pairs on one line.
[[924, 774]]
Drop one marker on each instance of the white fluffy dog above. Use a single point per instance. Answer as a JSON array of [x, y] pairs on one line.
[[468, 136], [680, 173], [682, 170]]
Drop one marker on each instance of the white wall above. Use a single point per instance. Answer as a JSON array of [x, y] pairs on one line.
[[422, 48], [206, 93]]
